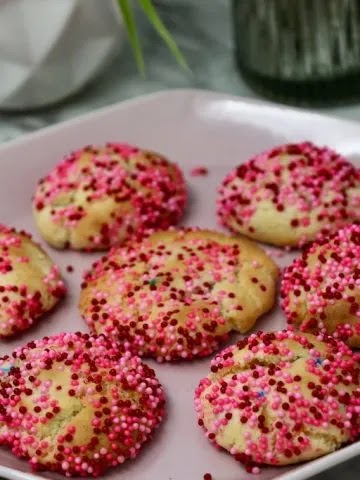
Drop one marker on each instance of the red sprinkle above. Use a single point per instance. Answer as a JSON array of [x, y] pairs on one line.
[[199, 172]]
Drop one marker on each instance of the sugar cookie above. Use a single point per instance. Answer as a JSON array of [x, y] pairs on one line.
[[74, 404], [30, 284], [101, 196], [321, 289], [290, 194], [177, 294], [281, 398]]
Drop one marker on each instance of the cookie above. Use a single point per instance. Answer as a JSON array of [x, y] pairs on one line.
[[289, 195], [75, 404], [281, 398], [177, 294], [321, 289], [30, 284], [98, 197]]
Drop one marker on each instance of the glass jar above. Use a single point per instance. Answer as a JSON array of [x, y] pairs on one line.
[[299, 50]]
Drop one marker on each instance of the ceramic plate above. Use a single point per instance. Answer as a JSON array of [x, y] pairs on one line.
[[193, 128]]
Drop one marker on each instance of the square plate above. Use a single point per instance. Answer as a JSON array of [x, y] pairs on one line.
[[193, 128]]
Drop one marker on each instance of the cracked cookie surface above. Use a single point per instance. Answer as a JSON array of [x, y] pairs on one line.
[[289, 195], [30, 284], [75, 404], [280, 398], [177, 294], [98, 197], [321, 289]]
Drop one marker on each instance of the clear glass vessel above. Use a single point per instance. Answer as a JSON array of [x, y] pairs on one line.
[[299, 50]]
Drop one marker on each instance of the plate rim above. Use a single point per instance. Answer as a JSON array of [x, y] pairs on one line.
[[186, 92]]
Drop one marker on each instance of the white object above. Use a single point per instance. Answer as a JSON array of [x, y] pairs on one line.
[[50, 48], [192, 128]]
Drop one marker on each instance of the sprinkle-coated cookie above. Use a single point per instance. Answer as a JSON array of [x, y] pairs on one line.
[[98, 197], [177, 294], [30, 284], [74, 404], [289, 195], [321, 289], [281, 398]]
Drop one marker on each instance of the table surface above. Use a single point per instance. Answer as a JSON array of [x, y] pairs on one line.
[[203, 30]]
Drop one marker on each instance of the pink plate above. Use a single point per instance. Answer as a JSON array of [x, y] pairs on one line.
[[195, 129]]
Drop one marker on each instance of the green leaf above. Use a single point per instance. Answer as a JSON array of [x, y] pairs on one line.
[[164, 33], [130, 25]]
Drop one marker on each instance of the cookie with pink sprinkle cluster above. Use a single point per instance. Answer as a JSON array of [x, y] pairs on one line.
[[74, 404], [30, 284], [288, 195], [321, 290], [98, 197], [177, 294], [281, 398]]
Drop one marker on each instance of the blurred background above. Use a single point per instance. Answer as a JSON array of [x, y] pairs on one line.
[[62, 59]]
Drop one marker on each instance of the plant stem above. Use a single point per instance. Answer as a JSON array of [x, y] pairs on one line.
[[152, 15], [130, 24]]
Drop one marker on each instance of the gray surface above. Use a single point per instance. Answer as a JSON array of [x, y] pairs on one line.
[[203, 30]]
